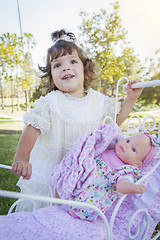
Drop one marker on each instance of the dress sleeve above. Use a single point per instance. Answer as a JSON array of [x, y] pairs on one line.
[[39, 117], [128, 177]]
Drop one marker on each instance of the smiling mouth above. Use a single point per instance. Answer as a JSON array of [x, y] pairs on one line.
[[67, 77]]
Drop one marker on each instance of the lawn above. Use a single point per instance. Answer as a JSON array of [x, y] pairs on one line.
[[8, 181], [10, 130]]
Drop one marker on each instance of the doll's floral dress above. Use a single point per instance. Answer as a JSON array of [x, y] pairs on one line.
[[102, 192]]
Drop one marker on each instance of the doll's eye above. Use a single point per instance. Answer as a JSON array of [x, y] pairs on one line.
[[127, 141], [133, 149]]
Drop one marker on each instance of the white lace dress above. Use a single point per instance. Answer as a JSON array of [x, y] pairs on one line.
[[62, 119]]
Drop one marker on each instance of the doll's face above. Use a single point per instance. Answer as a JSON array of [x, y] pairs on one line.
[[134, 149]]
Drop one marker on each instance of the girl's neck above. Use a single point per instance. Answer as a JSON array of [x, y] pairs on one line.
[[77, 94]]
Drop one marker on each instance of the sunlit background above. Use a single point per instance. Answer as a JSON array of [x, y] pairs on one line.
[[141, 19]]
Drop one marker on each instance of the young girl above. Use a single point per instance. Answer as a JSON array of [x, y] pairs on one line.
[[87, 177], [68, 111]]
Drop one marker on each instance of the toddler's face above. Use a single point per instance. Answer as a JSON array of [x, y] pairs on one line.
[[68, 74], [134, 149]]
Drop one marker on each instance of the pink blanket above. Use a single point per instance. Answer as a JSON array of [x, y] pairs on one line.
[[54, 223], [78, 168]]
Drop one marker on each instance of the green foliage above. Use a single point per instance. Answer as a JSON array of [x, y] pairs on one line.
[[27, 74], [16, 63], [132, 64], [37, 93], [104, 39], [150, 96]]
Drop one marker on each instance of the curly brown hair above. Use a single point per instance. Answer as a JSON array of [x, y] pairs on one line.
[[62, 48]]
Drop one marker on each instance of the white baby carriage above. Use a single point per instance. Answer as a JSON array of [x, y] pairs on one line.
[[130, 217]]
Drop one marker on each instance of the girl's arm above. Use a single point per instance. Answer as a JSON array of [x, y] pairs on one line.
[[21, 165], [128, 104], [126, 187]]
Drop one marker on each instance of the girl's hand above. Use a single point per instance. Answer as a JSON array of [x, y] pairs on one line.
[[140, 189], [23, 168], [133, 93]]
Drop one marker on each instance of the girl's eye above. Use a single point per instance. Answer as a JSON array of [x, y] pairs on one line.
[[133, 149], [57, 65], [127, 141], [73, 61]]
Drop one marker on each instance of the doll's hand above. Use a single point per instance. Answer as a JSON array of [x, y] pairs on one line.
[[140, 189], [133, 93], [23, 168]]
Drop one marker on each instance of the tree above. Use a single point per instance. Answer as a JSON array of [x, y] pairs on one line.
[[152, 95], [8, 44], [1, 90], [104, 38], [27, 66], [132, 64], [16, 63]]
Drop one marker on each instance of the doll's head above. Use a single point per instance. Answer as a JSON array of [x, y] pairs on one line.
[[135, 150], [64, 44]]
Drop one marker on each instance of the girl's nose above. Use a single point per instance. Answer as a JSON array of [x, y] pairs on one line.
[[66, 68]]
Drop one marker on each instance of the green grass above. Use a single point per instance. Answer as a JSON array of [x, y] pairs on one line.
[[8, 181], [10, 131]]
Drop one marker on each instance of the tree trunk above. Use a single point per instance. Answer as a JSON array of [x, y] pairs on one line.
[[29, 99], [18, 105], [26, 97], [2, 100], [12, 95]]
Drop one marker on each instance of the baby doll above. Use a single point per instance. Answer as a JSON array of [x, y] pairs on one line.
[[116, 171]]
